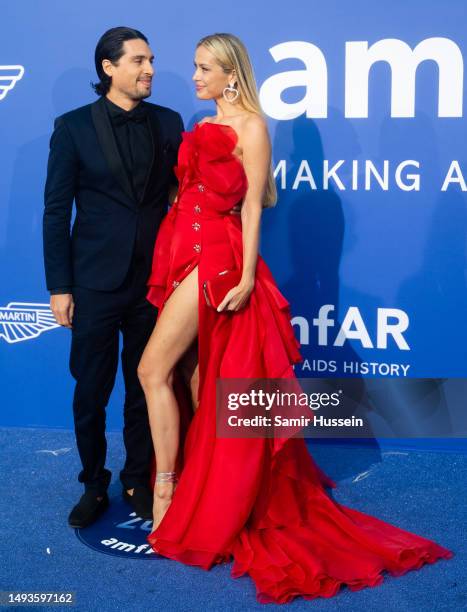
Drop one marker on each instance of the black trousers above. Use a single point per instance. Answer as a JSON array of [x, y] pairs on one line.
[[98, 319]]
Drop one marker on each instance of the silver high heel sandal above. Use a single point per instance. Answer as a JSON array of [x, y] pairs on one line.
[[164, 477]]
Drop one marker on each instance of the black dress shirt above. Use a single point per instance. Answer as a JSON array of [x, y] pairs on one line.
[[134, 141]]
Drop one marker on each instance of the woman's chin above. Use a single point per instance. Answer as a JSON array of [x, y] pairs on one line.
[[202, 95]]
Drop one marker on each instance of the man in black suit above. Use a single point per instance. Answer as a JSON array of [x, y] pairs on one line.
[[115, 159]]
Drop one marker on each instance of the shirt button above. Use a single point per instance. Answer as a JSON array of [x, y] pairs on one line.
[[197, 208], [175, 284], [200, 187], [196, 227], [197, 248]]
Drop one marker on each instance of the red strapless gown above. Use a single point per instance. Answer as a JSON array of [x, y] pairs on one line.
[[261, 501]]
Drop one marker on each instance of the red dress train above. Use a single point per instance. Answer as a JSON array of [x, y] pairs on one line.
[[261, 501]]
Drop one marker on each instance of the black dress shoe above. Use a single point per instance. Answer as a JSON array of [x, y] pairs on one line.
[[88, 510], [140, 501]]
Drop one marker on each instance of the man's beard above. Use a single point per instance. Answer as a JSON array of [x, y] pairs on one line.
[[141, 96]]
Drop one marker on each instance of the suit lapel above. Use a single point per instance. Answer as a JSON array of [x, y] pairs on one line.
[[157, 158], [109, 146]]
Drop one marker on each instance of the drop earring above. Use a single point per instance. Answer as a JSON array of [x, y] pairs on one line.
[[227, 94]]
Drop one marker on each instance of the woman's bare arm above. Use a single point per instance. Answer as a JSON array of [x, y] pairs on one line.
[[256, 150]]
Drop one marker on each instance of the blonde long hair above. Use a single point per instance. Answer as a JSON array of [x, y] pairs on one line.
[[231, 54]]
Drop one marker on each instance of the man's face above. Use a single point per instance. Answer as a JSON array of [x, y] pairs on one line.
[[132, 74]]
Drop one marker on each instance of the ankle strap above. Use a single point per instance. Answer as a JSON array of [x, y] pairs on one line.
[[166, 477]]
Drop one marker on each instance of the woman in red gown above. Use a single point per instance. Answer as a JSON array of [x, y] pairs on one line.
[[261, 501]]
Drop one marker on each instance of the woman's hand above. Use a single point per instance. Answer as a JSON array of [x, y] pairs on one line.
[[237, 297], [173, 195]]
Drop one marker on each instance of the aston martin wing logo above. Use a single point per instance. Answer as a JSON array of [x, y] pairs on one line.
[[23, 321], [9, 76]]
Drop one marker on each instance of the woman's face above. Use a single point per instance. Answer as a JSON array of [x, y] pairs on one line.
[[210, 79]]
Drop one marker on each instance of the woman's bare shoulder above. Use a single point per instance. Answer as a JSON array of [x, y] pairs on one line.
[[253, 122], [207, 119], [253, 126]]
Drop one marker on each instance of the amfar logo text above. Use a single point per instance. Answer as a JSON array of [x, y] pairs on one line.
[[390, 322], [24, 321], [359, 58], [9, 76]]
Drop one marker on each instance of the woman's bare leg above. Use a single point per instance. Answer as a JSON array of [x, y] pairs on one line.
[[190, 372], [175, 331]]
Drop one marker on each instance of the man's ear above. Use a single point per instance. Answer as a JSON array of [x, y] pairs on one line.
[[107, 67]]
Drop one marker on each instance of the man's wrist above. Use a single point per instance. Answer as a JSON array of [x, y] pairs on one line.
[[60, 291]]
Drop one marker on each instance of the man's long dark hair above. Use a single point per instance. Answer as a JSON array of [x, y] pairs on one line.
[[110, 46]]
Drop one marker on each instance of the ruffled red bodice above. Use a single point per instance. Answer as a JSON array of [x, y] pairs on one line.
[[206, 156]]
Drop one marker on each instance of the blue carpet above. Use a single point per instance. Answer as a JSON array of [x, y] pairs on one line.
[[423, 492]]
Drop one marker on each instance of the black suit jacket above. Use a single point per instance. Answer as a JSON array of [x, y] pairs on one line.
[[85, 166]]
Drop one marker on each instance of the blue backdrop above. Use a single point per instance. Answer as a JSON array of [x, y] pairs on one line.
[[368, 241]]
